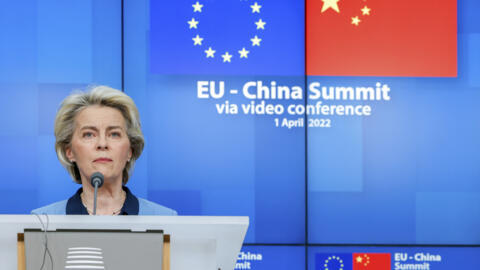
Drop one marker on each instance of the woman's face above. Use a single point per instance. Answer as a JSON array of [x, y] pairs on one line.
[[100, 143]]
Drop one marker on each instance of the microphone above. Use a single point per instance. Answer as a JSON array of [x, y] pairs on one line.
[[97, 181]]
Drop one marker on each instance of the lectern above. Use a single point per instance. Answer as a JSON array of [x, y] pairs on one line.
[[191, 242]]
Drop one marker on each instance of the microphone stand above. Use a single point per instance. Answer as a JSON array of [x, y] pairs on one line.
[[95, 199], [97, 181]]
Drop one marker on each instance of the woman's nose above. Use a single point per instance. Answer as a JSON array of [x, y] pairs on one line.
[[102, 143]]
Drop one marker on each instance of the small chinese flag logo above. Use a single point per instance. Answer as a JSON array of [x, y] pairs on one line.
[[371, 261]]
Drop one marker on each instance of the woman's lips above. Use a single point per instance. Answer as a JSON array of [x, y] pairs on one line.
[[102, 160]]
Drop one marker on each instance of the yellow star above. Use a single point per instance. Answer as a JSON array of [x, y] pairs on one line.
[[243, 53], [256, 7], [256, 41], [356, 20], [227, 57], [193, 23], [197, 7], [210, 52], [197, 40], [359, 259], [366, 10], [260, 24], [330, 4]]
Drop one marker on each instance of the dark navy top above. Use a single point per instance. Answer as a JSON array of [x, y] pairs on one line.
[[76, 207]]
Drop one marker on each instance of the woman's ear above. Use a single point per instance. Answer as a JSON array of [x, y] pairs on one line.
[[129, 155], [69, 154]]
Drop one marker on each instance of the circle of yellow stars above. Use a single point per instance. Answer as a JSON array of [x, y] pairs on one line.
[[333, 258], [227, 57], [333, 5]]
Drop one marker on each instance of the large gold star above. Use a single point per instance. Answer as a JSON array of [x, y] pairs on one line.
[[359, 259], [366, 10], [356, 20], [330, 4]]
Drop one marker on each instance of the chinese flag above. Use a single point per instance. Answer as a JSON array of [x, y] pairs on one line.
[[371, 261], [408, 38]]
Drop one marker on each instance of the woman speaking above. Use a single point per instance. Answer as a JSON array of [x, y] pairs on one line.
[[97, 133]]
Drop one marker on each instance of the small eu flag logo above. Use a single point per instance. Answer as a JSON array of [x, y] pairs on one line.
[[333, 261]]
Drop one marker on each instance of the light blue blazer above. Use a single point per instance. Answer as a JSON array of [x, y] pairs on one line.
[[145, 208]]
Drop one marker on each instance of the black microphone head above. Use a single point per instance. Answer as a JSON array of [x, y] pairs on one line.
[[96, 178]]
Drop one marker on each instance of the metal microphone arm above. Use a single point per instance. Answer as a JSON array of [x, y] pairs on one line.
[[95, 199], [97, 181]]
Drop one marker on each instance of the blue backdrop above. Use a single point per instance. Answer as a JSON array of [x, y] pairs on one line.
[[408, 174]]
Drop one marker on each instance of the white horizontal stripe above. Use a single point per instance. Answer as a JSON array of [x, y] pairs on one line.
[[85, 248], [84, 261], [84, 267], [85, 252], [84, 257]]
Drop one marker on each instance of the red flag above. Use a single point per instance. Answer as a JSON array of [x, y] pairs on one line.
[[371, 261], [414, 38]]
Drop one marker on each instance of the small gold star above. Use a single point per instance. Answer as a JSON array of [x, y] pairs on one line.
[[365, 10], [330, 4], [356, 20]]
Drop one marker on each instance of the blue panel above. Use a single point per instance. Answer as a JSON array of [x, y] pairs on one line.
[[19, 161], [468, 19], [338, 217], [135, 18], [463, 57], [279, 183], [336, 155], [271, 257], [18, 190], [242, 200], [186, 133], [107, 43], [135, 59], [138, 181], [420, 140], [53, 183], [473, 41], [185, 202], [49, 98], [136, 22], [448, 217], [17, 201], [447, 144], [19, 105], [64, 41], [18, 41]]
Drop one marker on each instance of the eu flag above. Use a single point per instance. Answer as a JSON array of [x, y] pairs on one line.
[[234, 37], [333, 261]]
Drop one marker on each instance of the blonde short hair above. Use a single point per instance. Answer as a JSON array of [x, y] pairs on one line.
[[103, 96]]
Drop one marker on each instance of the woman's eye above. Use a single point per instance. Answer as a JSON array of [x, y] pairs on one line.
[[115, 134], [87, 135]]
